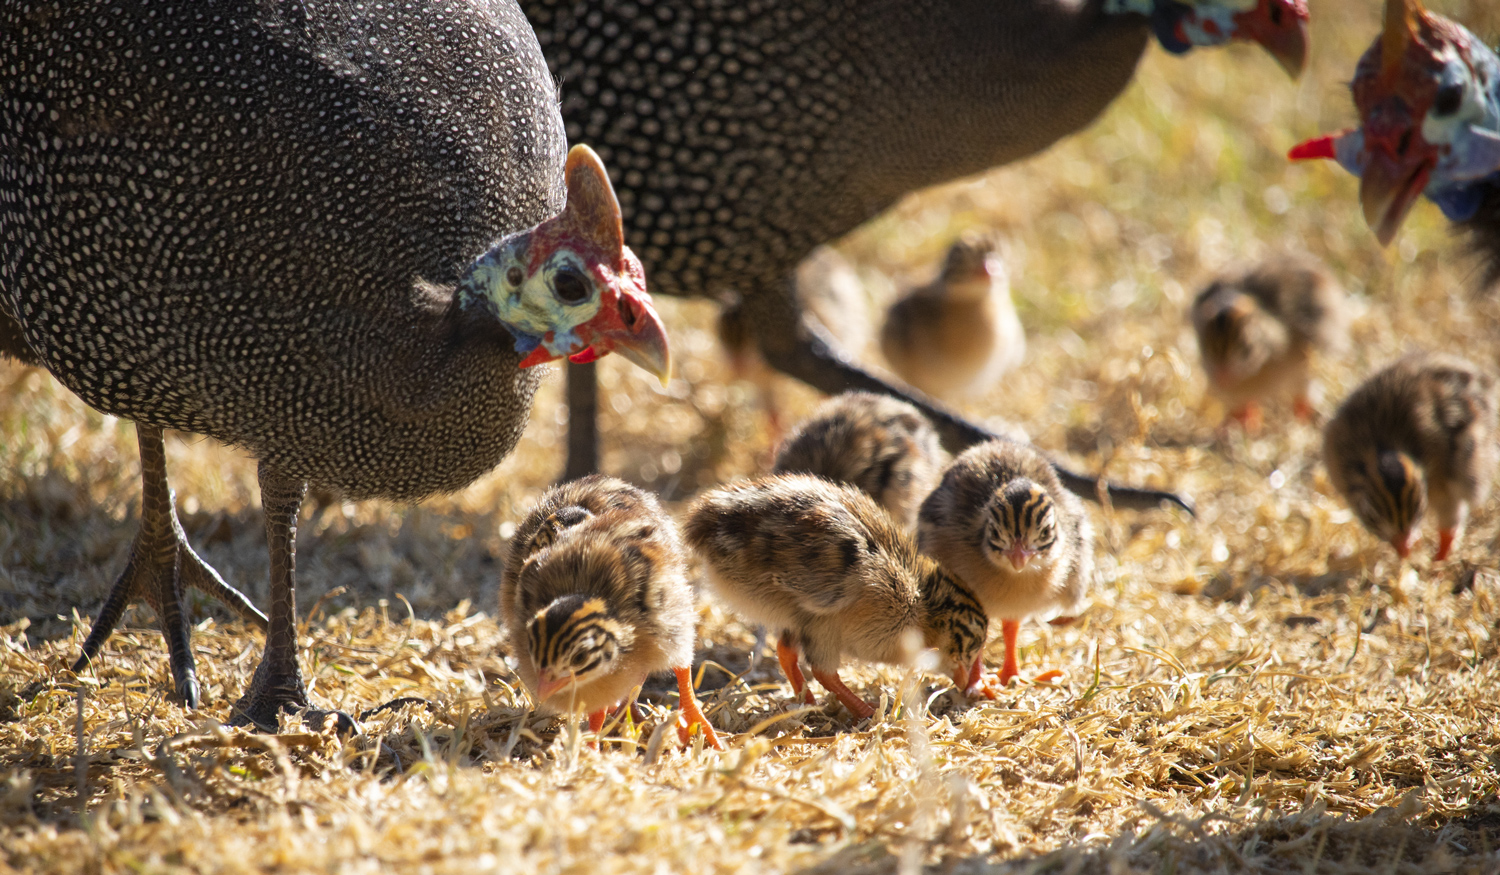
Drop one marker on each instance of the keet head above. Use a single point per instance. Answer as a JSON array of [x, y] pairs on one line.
[[1234, 344], [573, 641], [1386, 490], [1020, 525], [956, 626], [972, 259], [1428, 96], [570, 286], [1278, 25]]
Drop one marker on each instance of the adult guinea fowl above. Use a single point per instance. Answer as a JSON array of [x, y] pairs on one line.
[[1428, 95], [743, 135], [261, 223]]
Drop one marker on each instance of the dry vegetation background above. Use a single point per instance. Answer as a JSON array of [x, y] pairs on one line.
[[1262, 687]]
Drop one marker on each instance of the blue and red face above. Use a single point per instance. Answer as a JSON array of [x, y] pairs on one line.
[[570, 287], [1278, 25], [1428, 96]]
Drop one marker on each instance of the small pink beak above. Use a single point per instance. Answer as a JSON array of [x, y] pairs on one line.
[[548, 685], [1404, 544], [1019, 556]]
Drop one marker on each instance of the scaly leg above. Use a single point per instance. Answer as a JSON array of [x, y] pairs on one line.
[[857, 706], [277, 685], [691, 713], [1010, 629], [161, 566], [787, 654]]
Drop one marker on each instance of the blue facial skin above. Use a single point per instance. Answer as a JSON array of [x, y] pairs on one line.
[[1166, 15]]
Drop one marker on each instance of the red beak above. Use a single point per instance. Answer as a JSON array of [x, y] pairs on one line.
[[1281, 27]]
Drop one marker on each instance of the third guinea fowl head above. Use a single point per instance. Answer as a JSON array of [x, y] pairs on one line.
[[570, 286], [1235, 344], [1386, 490], [574, 641], [1428, 96], [1278, 25], [1020, 525]]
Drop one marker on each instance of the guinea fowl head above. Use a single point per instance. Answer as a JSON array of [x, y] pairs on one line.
[[570, 286], [1428, 95], [1020, 523], [574, 641], [1235, 338], [1278, 25], [1385, 489]]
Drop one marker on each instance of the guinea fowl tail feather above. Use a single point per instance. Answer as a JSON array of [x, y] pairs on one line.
[[815, 358]]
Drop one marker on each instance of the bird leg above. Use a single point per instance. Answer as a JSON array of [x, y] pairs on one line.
[[1446, 539], [1010, 630], [1303, 409], [1248, 416], [583, 420], [277, 685], [160, 568], [787, 654], [691, 714], [857, 706]]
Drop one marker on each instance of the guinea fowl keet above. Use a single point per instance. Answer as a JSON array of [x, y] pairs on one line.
[[875, 443], [955, 336], [595, 596], [1002, 523], [1418, 435], [277, 226], [742, 136], [1259, 329], [823, 564]]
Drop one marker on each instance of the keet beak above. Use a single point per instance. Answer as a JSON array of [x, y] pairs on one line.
[[1390, 184], [548, 685], [1281, 27], [1404, 544], [1019, 556]]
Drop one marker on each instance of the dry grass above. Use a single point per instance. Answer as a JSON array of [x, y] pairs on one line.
[[1264, 687]]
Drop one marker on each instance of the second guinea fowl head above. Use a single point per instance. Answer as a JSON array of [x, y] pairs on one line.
[[1235, 344], [570, 286], [1428, 96], [1179, 25], [1020, 526], [574, 641], [1386, 490]]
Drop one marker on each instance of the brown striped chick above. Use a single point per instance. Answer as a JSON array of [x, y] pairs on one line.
[[1259, 329], [955, 336], [595, 596], [1002, 523], [875, 443], [1420, 433], [830, 569], [830, 292]]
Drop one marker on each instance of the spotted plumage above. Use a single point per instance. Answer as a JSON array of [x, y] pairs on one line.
[[742, 135], [275, 224], [594, 597], [1259, 330], [1001, 522], [1419, 435], [875, 443], [956, 335], [830, 569]]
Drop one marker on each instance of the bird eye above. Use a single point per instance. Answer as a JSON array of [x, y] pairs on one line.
[[1449, 98], [569, 286], [514, 276]]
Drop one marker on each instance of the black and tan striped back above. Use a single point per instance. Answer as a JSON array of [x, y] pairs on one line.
[[1021, 514]]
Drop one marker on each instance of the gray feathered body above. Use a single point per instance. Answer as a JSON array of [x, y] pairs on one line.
[[875, 443], [245, 220], [742, 135], [952, 529], [823, 561], [602, 538]]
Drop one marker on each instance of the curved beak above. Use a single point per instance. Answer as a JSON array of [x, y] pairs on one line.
[[634, 330], [548, 685], [1281, 27], [1390, 184], [1019, 556]]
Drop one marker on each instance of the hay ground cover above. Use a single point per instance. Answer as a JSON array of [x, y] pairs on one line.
[[1262, 687]]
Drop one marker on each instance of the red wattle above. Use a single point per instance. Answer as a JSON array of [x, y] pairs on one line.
[[538, 356], [1317, 147]]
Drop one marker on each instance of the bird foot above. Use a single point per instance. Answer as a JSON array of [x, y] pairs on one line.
[[1249, 417], [1446, 539], [161, 567], [273, 693], [861, 709], [1303, 409]]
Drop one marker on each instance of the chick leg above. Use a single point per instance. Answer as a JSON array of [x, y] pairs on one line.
[[1248, 415], [691, 714], [1010, 629], [596, 720], [787, 653], [160, 568], [857, 706], [1446, 540]]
